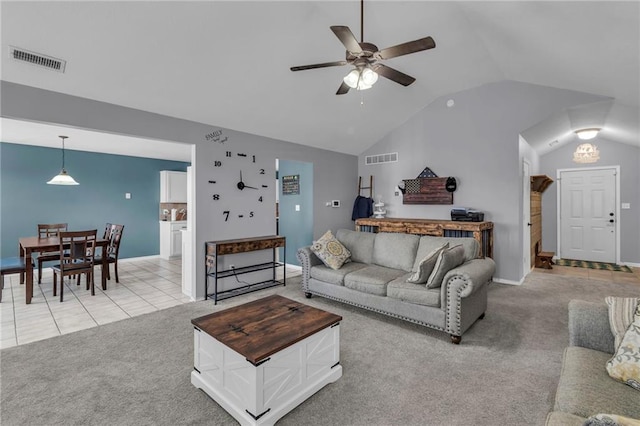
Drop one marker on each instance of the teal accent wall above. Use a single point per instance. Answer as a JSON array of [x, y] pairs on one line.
[[26, 199], [296, 226]]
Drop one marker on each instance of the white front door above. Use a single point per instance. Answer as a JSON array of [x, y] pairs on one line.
[[587, 215]]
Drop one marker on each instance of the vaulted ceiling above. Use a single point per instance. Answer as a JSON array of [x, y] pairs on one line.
[[226, 63]]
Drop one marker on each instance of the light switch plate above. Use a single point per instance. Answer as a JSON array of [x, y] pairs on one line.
[[297, 207], [127, 195], [625, 206]]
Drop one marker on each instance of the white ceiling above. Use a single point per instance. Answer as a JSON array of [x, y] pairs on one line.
[[226, 63]]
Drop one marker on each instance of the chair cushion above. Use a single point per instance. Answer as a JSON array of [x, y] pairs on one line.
[[448, 259], [372, 279], [396, 251], [334, 276], [330, 251], [12, 265], [413, 293], [426, 266]]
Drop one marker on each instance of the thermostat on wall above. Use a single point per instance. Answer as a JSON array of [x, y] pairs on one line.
[[335, 203]]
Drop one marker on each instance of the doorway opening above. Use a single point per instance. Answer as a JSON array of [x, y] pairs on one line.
[[294, 205]]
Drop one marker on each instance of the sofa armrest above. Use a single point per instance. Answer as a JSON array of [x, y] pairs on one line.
[[307, 259], [589, 326], [468, 277]]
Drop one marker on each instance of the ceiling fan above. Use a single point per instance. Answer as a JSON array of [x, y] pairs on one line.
[[366, 57]]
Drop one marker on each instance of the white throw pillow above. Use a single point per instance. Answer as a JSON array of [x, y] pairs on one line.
[[426, 266]]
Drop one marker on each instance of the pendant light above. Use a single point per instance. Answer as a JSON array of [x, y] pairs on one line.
[[63, 178]]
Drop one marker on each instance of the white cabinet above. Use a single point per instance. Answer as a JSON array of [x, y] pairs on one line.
[[171, 238], [173, 187]]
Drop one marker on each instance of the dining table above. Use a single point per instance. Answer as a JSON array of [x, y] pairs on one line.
[[30, 245]]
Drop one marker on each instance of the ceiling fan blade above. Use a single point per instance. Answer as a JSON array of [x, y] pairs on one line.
[[323, 65], [406, 48], [347, 38], [394, 75], [344, 88]]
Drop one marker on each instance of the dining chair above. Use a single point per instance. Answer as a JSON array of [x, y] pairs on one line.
[[77, 253], [112, 249], [46, 230], [107, 231]]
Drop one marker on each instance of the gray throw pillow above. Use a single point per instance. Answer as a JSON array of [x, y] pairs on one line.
[[426, 266], [448, 259], [621, 313]]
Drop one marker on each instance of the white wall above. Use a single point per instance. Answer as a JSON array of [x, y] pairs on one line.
[[477, 141]]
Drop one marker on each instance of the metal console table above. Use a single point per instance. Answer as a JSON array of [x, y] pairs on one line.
[[214, 249]]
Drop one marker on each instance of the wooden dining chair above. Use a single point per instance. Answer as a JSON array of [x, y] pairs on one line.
[[77, 254], [46, 230], [112, 249]]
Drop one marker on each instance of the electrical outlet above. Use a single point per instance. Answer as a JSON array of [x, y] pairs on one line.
[[232, 266]]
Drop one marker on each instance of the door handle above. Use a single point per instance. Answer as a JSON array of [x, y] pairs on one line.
[[528, 224], [611, 220], [610, 214]]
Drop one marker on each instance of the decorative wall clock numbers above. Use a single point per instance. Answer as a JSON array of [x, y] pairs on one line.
[[240, 185]]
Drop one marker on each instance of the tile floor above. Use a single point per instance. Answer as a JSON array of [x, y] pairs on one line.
[[146, 285]]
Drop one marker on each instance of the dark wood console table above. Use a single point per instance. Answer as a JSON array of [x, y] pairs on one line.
[[215, 249], [481, 231]]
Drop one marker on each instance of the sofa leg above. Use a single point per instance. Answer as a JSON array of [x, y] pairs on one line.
[[456, 339], [481, 316], [308, 295]]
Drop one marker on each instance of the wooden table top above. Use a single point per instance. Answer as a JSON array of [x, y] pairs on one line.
[[50, 242], [263, 327]]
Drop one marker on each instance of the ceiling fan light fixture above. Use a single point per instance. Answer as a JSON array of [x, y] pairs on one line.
[[369, 76], [352, 78], [586, 134]]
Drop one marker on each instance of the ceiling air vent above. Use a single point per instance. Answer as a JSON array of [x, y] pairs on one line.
[[38, 59], [391, 157]]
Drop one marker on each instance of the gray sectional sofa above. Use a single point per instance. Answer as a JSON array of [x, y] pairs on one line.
[[376, 279], [585, 389]]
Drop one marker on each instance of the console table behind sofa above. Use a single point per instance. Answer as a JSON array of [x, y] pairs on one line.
[[481, 231]]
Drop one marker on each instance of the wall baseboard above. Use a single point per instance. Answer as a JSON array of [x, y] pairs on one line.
[[509, 282], [632, 264], [296, 267], [134, 259]]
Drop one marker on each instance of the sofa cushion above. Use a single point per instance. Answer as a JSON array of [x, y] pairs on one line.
[[421, 275], [360, 244], [448, 259], [586, 389], [429, 243], [334, 276], [396, 251], [372, 279], [419, 294], [330, 251], [625, 363], [621, 313]]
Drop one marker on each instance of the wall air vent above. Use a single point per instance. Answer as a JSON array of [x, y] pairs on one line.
[[38, 59], [391, 157]]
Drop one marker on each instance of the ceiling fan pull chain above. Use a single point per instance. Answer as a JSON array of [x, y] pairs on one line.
[[361, 21]]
